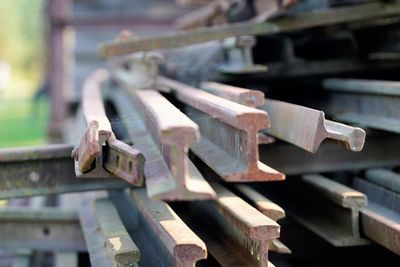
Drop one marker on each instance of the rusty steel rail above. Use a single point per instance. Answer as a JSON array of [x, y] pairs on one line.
[[229, 143], [224, 11], [163, 134], [351, 14], [120, 159], [380, 219], [161, 236], [47, 229], [107, 239], [250, 98], [307, 128], [269, 209], [235, 233], [45, 170], [301, 126], [329, 209], [371, 103]]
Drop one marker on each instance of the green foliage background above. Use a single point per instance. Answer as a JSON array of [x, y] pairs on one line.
[[22, 31], [21, 43]]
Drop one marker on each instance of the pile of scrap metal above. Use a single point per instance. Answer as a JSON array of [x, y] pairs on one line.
[[168, 151]]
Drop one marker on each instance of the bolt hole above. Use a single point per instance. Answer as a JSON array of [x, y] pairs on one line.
[[46, 231], [130, 166], [117, 161]]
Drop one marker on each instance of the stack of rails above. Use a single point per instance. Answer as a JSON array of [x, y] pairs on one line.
[[174, 185]]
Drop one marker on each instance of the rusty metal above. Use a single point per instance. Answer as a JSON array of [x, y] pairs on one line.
[[96, 242], [139, 70], [380, 150], [269, 209], [380, 220], [307, 128], [118, 242], [213, 13], [349, 14], [108, 242], [163, 134], [371, 103], [234, 231], [120, 159], [45, 170], [250, 98], [239, 56], [42, 230], [182, 245], [229, 143], [224, 11], [298, 125], [329, 209]]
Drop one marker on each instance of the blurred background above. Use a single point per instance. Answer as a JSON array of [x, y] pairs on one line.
[[23, 105]]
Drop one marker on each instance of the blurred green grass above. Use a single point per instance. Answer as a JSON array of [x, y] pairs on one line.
[[23, 122]]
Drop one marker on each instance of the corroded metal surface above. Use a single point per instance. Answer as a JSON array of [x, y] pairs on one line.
[[362, 12], [163, 134], [239, 56], [120, 159], [380, 219], [250, 98], [45, 170], [371, 103], [329, 209], [98, 128], [235, 233], [45, 229], [118, 242], [307, 128], [184, 247], [269, 209], [229, 143]]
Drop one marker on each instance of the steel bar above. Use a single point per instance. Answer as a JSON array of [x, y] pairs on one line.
[[99, 231], [229, 143], [380, 220], [176, 240], [44, 170], [323, 206], [144, 221], [239, 56], [358, 86], [380, 150], [307, 128], [269, 209], [118, 241], [66, 259], [263, 204], [298, 125], [385, 178], [235, 233], [365, 102], [250, 98], [47, 229], [120, 159], [163, 134], [340, 15]]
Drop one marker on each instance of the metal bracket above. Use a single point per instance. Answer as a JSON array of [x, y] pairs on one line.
[[240, 56]]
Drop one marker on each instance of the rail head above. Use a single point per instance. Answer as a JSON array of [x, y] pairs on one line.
[[338, 193], [250, 98], [181, 242], [171, 125], [229, 112], [252, 222]]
